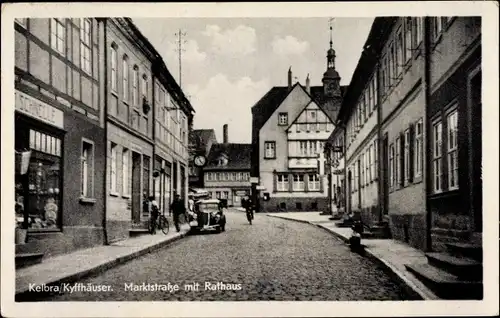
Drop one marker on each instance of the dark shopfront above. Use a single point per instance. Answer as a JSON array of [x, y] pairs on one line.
[[48, 184]]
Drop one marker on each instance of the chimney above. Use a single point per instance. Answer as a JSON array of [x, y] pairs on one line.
[[290, 77], [224, 134], [308, 85]]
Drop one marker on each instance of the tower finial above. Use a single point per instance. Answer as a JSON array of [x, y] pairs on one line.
[[330, 21]]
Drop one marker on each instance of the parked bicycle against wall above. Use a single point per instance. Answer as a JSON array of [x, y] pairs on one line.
[[157, 221]]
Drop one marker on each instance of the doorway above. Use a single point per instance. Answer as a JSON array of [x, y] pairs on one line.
[[385, 175], [136, 187]]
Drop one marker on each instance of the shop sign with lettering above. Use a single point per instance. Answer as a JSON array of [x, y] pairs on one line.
[[37, 109]]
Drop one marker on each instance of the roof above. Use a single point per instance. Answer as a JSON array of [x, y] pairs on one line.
[[268, 104], [200, 137], [371, 50], [238, 156]]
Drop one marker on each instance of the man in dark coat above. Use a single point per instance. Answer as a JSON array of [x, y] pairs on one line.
[[178, 209]]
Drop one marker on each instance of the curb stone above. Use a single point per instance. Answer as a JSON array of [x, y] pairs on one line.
[[24, 293], [393, 272]]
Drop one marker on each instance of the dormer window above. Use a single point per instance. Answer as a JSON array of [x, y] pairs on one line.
[[222, 161], [283, 119]]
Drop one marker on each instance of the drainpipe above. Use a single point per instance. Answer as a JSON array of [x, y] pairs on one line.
[[104, 93], [380, 154], [427, 90], [153, 117]]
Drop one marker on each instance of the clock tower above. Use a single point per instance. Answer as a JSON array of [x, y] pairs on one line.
[[331, 78]]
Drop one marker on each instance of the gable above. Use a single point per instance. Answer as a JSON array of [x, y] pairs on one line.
[[292, 105]]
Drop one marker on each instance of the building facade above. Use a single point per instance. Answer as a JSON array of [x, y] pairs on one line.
[[129, 127], [453, 114], [173, 118], [424, 117], [227, 173], [59, 134], [201, 141], [335, 170]]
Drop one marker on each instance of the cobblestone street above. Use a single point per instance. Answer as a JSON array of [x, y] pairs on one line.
[[272, 259]]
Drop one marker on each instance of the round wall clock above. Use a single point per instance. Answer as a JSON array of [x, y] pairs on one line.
[[200, 161]]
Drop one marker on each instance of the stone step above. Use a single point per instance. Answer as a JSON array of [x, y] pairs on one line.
[[28, 259], [467, 250], [461, 267], [137, 232], [446, 285], [344, 224]]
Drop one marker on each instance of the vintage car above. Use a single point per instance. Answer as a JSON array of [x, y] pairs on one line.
[[207, 215]]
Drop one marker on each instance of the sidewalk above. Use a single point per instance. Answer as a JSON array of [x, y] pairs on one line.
[[391, 254], [71, 267]]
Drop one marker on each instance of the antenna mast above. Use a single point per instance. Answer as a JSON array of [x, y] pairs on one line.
[[180, 42]]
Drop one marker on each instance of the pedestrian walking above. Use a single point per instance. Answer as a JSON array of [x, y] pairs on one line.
[[178, 209], [155, 212]]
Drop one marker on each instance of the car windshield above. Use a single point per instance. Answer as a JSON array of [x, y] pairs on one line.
[[209, 207]]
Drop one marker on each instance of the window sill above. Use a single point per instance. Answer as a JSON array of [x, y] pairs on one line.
[[114, 194], [269, 158], [84, 200], [114, 93], [126, 196]]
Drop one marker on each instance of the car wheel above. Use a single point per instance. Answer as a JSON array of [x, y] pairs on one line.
[[223, 227], [218, 229]]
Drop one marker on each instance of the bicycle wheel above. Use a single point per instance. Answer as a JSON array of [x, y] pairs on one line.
[[165, 227], [150, 226]]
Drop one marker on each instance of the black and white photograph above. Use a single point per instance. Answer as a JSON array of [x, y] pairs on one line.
[[176, 159]]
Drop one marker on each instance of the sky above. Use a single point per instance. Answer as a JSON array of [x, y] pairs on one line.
[[228, 64]]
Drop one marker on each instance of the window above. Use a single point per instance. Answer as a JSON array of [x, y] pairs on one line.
[[146, 160], [21, 21], [452, 149], [406, 162], [408, 38], [42, 191], [392, 169], [125, 78], [399, 53], [436, 156], [238, 176], [87, 169], [217, 194], [231, 176], [313, 182], [298, 182], [144, 86], [374, 160], [375, 92], [114, 62], [125, 169], [135, 86], [369, 166], [383, 72], [270, 150], [419, 150], [226, 194], [114, 175], [418, 32], [86, 45], [58, 35], [282, 182], [397, 162], [283, 119], [437, 27], [362, 169]]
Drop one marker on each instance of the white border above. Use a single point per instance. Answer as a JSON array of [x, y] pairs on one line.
[[487, 9]]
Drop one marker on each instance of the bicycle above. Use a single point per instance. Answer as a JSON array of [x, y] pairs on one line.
[[161, 224]]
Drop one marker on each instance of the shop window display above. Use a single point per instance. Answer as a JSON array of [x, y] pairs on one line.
[[38, 191]]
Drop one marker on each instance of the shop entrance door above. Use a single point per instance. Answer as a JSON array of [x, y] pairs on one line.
[[136, 187]]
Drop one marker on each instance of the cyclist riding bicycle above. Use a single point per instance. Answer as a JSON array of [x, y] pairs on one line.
[[155, 211]]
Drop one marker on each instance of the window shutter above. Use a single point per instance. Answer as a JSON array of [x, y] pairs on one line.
[[290, 182], [412, 152], [306, 182], [321, 179]]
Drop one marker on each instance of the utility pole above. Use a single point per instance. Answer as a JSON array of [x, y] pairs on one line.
[[180, 41]]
